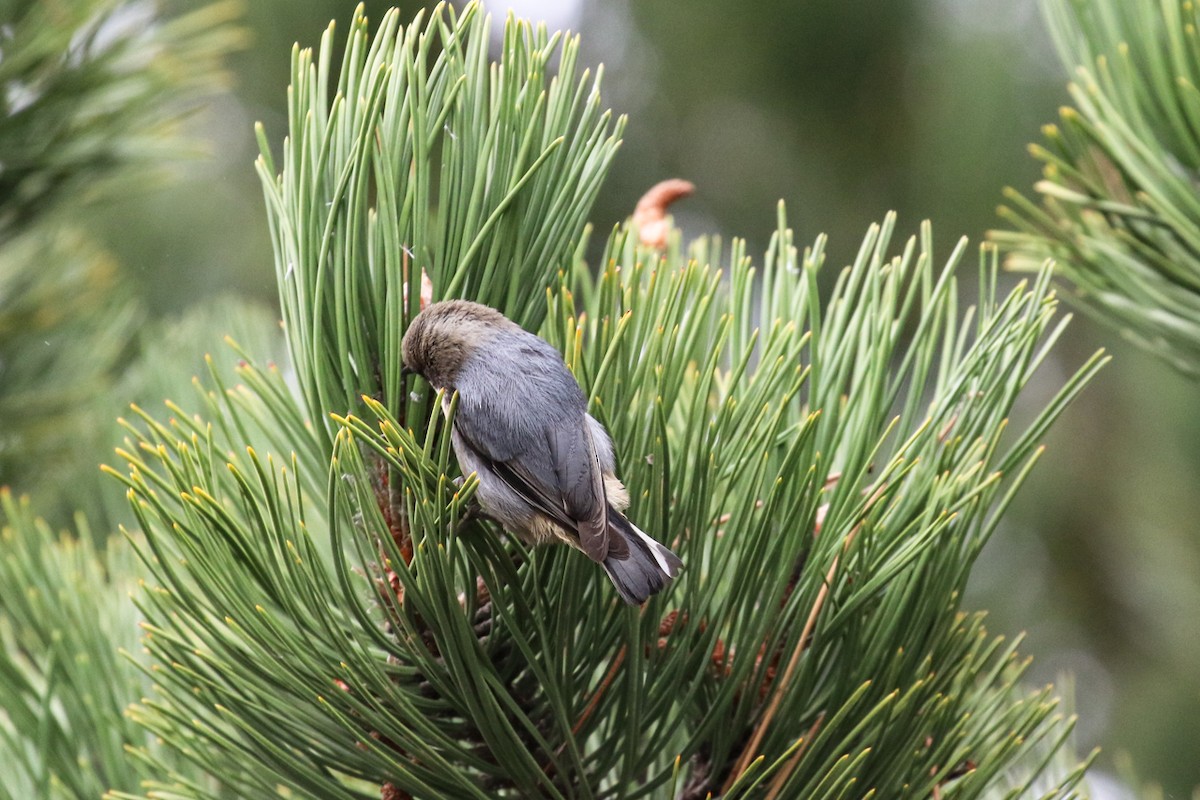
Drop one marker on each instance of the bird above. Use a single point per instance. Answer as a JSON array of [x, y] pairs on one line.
[[545, 466]]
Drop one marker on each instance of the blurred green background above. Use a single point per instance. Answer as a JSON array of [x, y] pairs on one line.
[[845, 109]]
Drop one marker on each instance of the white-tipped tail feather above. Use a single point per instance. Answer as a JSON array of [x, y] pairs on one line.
[[646, 569]]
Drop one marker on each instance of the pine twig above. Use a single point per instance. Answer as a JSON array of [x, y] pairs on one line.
[[782, 776], [781, 686]]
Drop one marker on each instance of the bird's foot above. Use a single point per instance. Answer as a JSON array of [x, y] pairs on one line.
[[475, 513]]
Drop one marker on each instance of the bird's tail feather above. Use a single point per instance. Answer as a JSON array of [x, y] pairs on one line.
[[645, 568]]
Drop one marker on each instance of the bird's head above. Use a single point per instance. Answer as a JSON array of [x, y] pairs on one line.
[[443, 336]]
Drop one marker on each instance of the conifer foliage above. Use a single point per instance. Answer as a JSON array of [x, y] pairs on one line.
[[324, 615], [1120, 212], [321, 617]]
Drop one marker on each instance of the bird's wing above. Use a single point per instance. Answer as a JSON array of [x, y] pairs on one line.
[[581, 485], [548, 458], [520, 481]]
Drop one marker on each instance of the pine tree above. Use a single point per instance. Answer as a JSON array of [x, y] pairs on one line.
[[323, 620], [323, 614]]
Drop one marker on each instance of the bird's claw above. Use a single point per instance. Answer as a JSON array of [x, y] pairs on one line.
[[475, 513]]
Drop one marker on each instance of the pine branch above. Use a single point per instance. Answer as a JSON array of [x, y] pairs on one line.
[[1119, 207], [93, 89], [427, 162], [92, 92], [63, 681], [327, 619], [449, 691]]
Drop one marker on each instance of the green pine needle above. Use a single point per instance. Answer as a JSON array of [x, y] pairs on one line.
[[1120, 212]]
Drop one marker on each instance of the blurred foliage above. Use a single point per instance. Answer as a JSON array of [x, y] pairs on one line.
[[765, 82], [65, 673], [67, 326], [93, 95], [209, 235], [1121, 210], [91, 88], [64, 684], [845, 109]]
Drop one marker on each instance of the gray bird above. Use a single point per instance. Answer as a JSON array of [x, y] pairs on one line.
[[545, 466]]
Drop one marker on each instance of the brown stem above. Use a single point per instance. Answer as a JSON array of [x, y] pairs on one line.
[[390, 792], [782, 776], [760, 730], [781, 686], [600, 691]]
